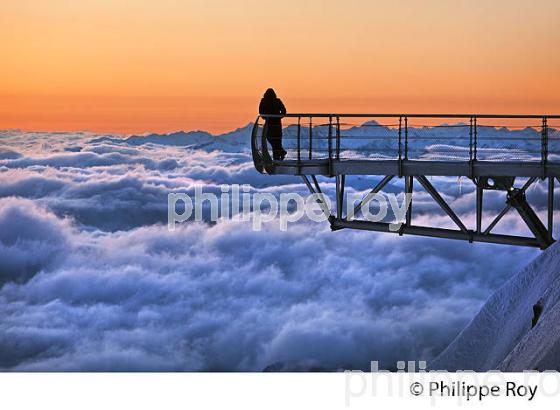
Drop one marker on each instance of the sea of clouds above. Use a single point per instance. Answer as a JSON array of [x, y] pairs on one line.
[[91, 278]]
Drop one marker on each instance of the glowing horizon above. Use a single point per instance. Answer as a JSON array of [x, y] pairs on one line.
[[107, 66]]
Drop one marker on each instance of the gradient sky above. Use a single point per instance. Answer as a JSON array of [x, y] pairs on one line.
[[137, 66]]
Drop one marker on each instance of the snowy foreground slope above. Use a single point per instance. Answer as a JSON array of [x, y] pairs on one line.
[[501, 335]]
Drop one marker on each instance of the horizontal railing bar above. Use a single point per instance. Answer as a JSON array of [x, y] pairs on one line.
[[307, 115]]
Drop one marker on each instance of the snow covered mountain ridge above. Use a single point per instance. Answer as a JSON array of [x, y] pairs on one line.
[[519, 326], [234, 141], [368, 136]]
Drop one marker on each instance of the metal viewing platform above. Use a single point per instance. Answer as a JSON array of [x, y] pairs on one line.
[[491, 150]]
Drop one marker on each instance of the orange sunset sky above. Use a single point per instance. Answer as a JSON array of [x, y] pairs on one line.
[[163, 65]]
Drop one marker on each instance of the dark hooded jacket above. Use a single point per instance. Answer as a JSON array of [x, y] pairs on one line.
[[270, 104]]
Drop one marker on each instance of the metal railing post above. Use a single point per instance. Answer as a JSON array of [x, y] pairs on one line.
[[330, 138], [471, 165], [471, 139], [310, 137], [400, 146], [299, 139], [329, 141], [475, 139], [337, 137], [544, 145], [405, 137]]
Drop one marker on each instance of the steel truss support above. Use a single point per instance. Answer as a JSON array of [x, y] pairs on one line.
[[515, 199], [479, 198], [340, 181], [440, 201], [317, 191], [366, 199], [408, 182], [437, 233], [507, 207]]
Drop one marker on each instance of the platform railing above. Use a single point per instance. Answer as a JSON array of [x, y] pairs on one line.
[[467, 138]]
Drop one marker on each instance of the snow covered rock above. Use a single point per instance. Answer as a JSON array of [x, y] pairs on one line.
[[501, 335]]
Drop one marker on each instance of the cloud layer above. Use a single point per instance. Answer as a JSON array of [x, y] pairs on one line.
[[91, 279]]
